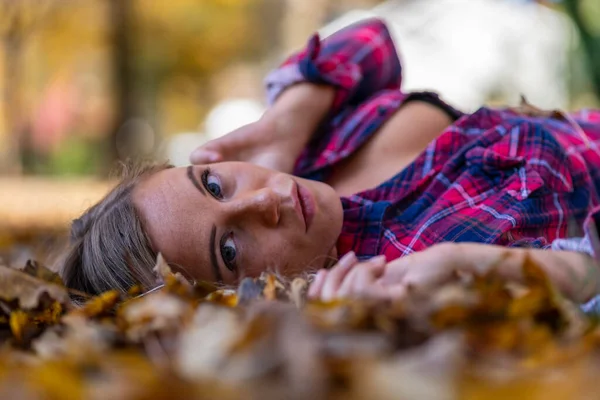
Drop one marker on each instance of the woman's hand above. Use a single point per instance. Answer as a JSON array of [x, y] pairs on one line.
[[376, 279], [426, 270], [262, 143], [350, 278], [276, 140], [574, 274]]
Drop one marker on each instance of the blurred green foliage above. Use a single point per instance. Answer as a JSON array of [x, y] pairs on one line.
[[585, 15]]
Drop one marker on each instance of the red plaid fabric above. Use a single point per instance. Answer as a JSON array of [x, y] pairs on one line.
[[494, 176]]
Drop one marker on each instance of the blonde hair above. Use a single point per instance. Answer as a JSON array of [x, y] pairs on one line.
[[109, 247]]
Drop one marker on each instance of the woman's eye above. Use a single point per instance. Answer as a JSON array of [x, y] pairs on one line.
[[228, 252], [214, 187], [212, 184]]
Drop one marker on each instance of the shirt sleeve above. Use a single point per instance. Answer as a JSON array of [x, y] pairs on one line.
[[588, 244], [358, 61]]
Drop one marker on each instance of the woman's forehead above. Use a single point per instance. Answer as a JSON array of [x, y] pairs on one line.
[[176, 216], [168, 190]]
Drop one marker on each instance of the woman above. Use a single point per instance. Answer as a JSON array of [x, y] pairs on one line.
[[411, 172]]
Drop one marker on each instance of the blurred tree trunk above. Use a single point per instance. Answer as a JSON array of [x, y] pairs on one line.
[[589, 41], [13, 37], [121, 19], [18, 20], [11, 161]]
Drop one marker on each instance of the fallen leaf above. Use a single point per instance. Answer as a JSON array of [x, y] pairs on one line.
[[102, 304], [154, 313], [27, 290], [20, 323], [39, 271]]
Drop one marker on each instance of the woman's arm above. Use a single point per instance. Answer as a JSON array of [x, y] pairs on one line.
[[297, 113], [310, 87], [276, 140], [576, 275]]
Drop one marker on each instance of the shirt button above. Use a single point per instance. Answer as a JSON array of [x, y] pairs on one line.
[[381, 110]]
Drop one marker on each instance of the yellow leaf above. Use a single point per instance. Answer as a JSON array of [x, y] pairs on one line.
[[18, 324], [39, 271], [101, 304], [135, 290], [528, 304], [50, 315], [450, 316], [58, 380], [270, 290], [223, 297]]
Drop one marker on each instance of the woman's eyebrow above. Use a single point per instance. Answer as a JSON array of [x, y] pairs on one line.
[[213, 256], [192, 177]]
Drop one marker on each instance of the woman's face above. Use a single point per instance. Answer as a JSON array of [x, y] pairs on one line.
[[233, 219]]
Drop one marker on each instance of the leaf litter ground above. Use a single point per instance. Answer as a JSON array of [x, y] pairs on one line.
[[477, 338]]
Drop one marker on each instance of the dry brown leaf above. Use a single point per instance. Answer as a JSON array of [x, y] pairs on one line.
[[450, 316], [173, 282], [270, 290], [157, 312], [101, 305], [20, 325], [266, 341], [298, 291], [135, 290], [223, 297], [28, 290], [201, 351], [528, 304], [39, 271], [429, 371], [77, 338], [530, 110]]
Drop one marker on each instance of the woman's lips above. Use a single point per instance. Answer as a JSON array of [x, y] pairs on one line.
[[307, 204]]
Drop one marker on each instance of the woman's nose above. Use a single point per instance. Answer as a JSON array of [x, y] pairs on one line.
[[261, 206]]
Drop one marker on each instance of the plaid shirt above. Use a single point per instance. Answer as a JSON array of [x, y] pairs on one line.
[[494, 176]]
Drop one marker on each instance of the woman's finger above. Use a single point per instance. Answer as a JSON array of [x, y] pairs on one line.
[[361, 279], [366, 279], [429, 278], [336, 275], [396, 270], [395, 292], [205, 156], [314, 290], [232, 146], [347, 288], [430, 275]]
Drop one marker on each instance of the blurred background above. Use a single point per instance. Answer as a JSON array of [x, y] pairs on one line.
[[87, 82]]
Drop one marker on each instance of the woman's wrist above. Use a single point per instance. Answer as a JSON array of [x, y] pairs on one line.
[[575, 274], [480, 259], [298, 112]]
